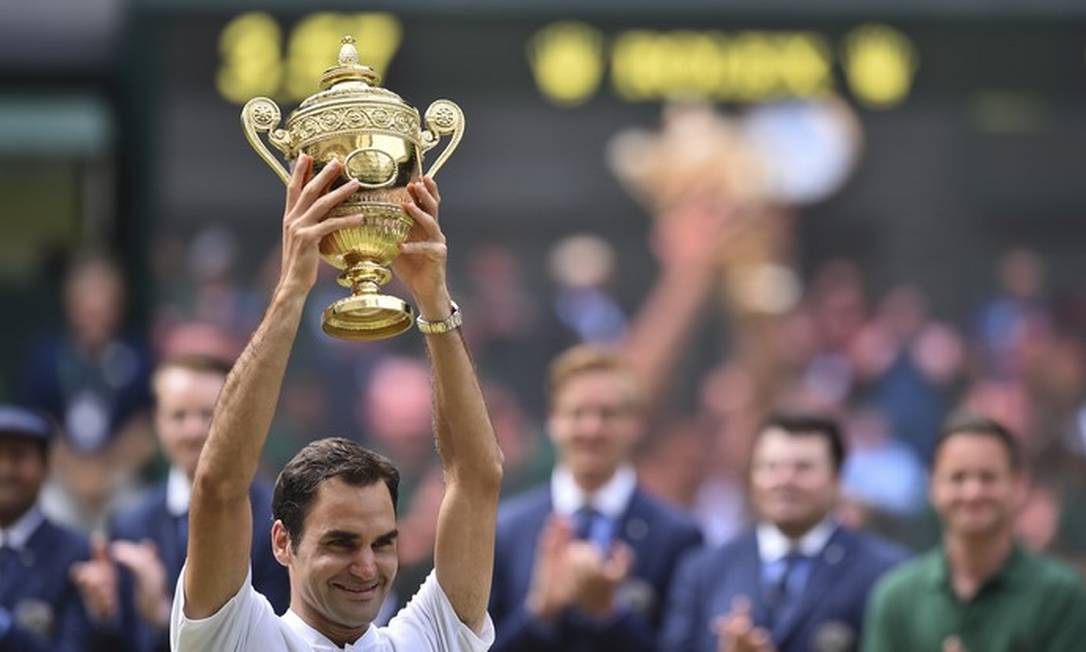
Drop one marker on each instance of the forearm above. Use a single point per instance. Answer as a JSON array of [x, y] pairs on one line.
[[662, 326], [246, 406], [465, 436], [464, 546], [220, 517]]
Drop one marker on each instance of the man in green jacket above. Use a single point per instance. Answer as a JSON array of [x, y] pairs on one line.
[[980, 591]]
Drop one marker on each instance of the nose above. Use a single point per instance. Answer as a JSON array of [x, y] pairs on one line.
[[364, 564], [197, 426], [972, 488]]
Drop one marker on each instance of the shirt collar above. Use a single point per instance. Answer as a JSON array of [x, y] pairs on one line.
[[321, 643], [773, 545], [610, 500], [178, 492], [16, 536], [940, 569]]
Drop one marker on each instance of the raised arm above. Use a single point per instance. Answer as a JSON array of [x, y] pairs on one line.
[[464, 549], [220, 518]]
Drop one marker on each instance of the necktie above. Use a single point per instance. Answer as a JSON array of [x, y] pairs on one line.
[[785, 588], [592, 526]]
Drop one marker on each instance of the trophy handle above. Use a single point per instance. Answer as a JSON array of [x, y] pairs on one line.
[[261, 114], [443, 118]]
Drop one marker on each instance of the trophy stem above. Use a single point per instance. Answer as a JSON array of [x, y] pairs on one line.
[[364, 276], [366, 314]]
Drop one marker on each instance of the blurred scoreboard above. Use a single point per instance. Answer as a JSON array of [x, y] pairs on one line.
[[969, 124]]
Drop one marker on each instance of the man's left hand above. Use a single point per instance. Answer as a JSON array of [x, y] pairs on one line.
[[421, 263], [736, 631]]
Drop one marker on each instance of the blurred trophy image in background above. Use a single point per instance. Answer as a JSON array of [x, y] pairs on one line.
[[763, 163], [380, 141]]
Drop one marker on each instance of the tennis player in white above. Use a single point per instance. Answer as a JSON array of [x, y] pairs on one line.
[[334, 505]]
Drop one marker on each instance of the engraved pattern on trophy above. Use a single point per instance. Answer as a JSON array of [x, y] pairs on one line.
[[393, 121], [377, 137]]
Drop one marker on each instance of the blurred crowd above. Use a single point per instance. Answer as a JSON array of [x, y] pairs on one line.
[[730, 331]]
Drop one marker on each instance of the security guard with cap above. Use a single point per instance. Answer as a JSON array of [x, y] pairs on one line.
[[40, 609]]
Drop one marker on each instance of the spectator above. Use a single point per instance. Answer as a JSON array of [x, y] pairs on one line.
[[150, 540], [92, 378], [797, 581], [980, 590], [585, 562], [40, 609]]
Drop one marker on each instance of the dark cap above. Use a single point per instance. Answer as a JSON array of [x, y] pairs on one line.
[[22, 422]]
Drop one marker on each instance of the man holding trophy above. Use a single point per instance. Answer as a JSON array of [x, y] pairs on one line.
[[357, 199], [334, 502]]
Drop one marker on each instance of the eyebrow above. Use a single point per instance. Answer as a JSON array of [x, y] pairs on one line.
[[387, 537], [333, 535]]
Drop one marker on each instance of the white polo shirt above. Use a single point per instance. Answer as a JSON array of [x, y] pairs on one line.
[[247, 623]]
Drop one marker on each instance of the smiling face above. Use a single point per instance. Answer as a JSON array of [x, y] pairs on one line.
[[23, 470], [595, 423], [793, 481], [974, 486], [343, 566]]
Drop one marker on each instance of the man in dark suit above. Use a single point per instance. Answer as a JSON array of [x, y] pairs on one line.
[[798, 581], [39, 608], [585, 562], [149, 541]]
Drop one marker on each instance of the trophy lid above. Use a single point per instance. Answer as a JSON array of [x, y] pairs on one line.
[[349, 69], [350, 79]]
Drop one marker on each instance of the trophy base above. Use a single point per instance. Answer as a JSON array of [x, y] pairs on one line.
[[367, 317]]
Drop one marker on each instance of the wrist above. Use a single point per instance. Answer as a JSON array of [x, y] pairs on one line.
[[436, 306], [600, 609], [164, 608]]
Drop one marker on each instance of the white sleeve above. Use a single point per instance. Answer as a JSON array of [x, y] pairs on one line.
[[429, 623], [239, 625]]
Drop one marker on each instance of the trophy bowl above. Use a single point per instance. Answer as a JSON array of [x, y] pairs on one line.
[[380, 142]]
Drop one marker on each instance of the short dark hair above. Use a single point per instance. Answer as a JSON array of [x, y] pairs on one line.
[[965, 422], [806, 424], [324, 459]]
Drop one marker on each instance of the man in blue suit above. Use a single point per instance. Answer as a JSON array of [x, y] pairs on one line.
[[798, 581], [39, 608], [149, 541], [585, 562]]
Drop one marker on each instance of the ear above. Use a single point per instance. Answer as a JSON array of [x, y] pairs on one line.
[[280, 540], [552, 421]]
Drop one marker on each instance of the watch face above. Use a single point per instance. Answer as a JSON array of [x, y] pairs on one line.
[[810, 147]]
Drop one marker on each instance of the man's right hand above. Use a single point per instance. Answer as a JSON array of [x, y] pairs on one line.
[[152, 597], [96, 580], [552, 589], [305, 220], [572, 573], [736, 631]]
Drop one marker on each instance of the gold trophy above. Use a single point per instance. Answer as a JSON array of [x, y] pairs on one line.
[[378, 138]]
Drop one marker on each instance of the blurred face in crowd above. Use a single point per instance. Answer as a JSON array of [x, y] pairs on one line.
[[185, 403], [793, 481], [595, 422], [974, 487], [23, 469], [94, 301], [398, 410], [343, 566]]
